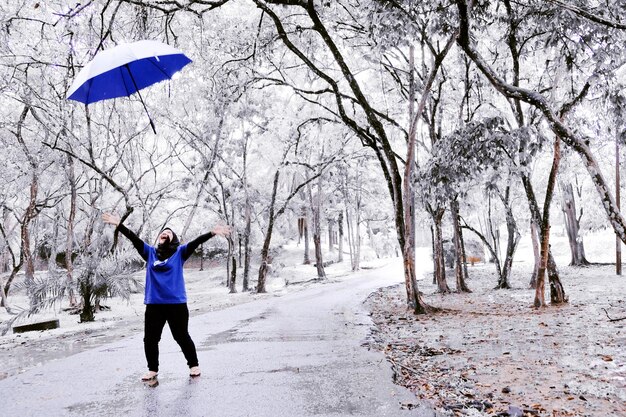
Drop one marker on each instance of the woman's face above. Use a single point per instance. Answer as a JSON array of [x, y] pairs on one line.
[[166, 236]]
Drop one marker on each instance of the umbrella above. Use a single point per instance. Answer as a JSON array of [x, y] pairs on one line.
[[126, 69]]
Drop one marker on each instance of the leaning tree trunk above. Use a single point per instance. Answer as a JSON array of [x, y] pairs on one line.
[[461, 286], [350, 240], [490, 246], [265, 251], [536, 220], [572, 225], [559, 295], [512, 240]]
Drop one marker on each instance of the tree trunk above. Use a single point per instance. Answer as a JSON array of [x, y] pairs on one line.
[[534, 235], [356, 264], [69, 242], [231, 277], [319, 261], [246, 246], [572, 226], [537, 220], [232, 289], [352, 223], [307, 249], [618, 243], [557, 293], [247, 249], [265, 251], [340, 240], [433, 244], [512, 239], [29, 264], [350, 240], [331, 233], [463, 253], [87, 313], [439, 261], [407, 244], [490, 246], [317, 229], [52, 259], [540, 300], [461, 286]]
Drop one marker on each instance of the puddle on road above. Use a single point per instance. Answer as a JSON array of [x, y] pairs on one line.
[[229, 335], [121, 400], [30, 355]]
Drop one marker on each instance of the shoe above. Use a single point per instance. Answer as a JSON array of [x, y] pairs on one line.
[[194, 371], [149, 376]]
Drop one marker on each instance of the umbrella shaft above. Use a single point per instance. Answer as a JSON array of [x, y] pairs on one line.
[[140, 98]]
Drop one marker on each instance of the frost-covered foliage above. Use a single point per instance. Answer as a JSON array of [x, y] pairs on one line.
[[103, 274], [481, 152], [99, 273]]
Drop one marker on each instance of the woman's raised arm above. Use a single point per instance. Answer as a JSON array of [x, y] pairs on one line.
[[219, 230], [139, 244]]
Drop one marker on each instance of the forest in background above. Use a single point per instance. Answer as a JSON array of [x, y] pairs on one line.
[[470, 120]]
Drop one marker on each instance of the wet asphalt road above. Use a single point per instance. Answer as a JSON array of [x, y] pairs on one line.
[[296, 355]]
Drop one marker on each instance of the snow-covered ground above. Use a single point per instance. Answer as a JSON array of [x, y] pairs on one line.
[[491, 352]]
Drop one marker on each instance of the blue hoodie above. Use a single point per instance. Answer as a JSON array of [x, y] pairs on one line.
[[164, 279]]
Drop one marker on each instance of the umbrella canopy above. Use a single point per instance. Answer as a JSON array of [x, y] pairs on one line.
[[126, 69]]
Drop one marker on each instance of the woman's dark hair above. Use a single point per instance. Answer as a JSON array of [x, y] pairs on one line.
[[167, 249]]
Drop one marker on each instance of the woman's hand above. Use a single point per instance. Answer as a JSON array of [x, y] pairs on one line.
[[221, 230], [111, 218]]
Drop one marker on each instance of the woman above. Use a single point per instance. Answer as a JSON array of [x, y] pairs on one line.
[[165, 297]]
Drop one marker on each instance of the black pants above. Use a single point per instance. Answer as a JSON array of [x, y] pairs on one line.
[[177, 317]]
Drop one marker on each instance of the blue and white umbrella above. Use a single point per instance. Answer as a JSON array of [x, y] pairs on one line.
[[126, 69]]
